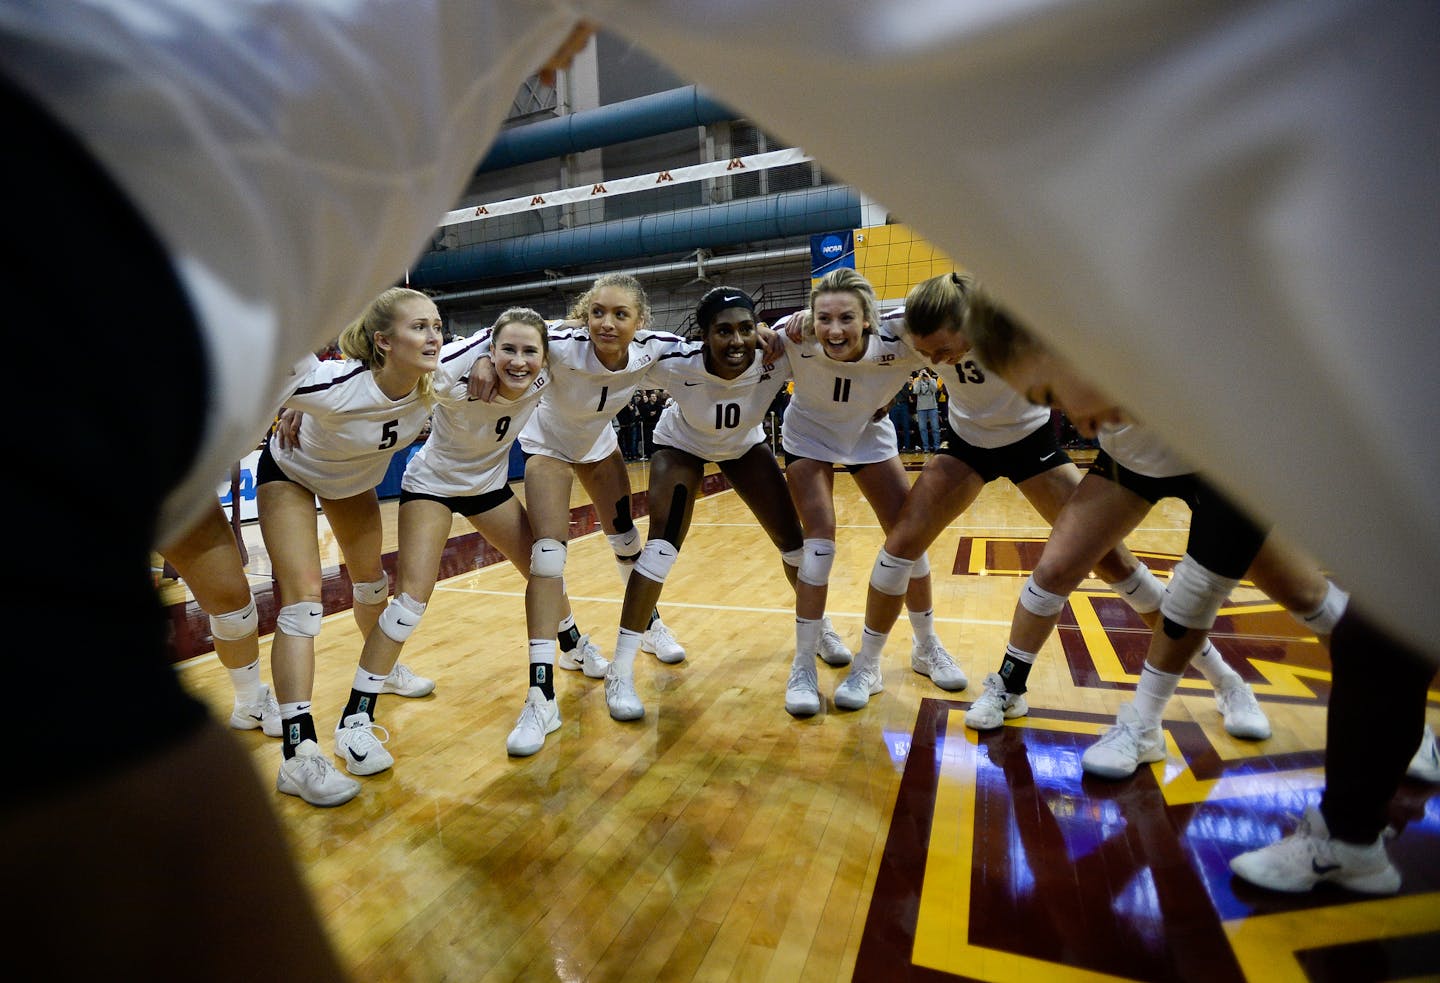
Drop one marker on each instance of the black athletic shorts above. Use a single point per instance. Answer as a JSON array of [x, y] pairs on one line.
[[1025, 458], [468, 506], [1223, 539]]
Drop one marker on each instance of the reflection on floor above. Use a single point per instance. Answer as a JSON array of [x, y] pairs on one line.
[[1004, 861]]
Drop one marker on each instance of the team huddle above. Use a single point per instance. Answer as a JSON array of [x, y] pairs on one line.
[[556, 387]]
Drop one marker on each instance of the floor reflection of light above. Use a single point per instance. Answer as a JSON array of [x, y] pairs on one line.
[[1139, 902], [897, 743]]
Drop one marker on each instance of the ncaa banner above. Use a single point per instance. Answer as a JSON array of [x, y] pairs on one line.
[[830, 251]]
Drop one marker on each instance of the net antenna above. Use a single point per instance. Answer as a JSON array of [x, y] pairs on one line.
[[701, 278]]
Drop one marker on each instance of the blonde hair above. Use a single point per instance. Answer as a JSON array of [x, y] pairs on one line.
[[357, 341], [580, 311], [997, 338], [523, 315], [937, 301], [846, 280]]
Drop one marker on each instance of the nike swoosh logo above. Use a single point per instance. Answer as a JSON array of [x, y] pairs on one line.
[[1048, 456], [1032, 590], [807, 354], [889, 566], [1132, 590], [377, 679], [1320, 868], [729, 300], [547, 549], [826, 553], [405, 624], [357, 756], [692, 383]]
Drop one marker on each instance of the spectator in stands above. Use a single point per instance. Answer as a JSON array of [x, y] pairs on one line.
[[627, 428], [927, 410], [650, 409], [900, 415]]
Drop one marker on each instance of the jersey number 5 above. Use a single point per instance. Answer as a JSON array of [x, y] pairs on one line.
[[388, 436]]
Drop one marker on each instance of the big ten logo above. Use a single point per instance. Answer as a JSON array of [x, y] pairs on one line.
[[832, 247], [885, 358]]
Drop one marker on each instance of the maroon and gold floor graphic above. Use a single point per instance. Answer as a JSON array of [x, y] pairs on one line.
[[1005, 862]]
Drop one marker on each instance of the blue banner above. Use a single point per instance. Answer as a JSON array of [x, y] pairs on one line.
[[831, 250]]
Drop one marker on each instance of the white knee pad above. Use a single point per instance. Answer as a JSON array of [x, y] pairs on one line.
[[656, 560], [400, 617], [1039, 601], [1195, 594], [921, 567], [301, 620], [547, 558], [626, 545], [374, 592], [1323, 619], [891, 574], [816, 563], [1141, 590], [237, 624], [792, 558]]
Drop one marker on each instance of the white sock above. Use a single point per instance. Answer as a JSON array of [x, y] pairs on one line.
[[807, 637], [366, 681], [289, 711], [1153, 693], [542, 650], [923, 624], [872, 643], [626, 645], [1214, 668], [246, 681]]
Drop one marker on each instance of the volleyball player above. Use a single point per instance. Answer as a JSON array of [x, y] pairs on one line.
[[1135, 470], [208, 560], [1378, 686], [997, 433], [597, 359], [463, 467], [357, 413], [721, 392], [846, 368]]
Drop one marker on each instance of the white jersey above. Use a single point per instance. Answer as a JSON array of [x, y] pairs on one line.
[[831, 415], [350, 429], [468, 451], [1142, 450], [573, 421], [982, 408], [713, 418]]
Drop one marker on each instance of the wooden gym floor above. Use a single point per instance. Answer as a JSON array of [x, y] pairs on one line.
[[720, 839]]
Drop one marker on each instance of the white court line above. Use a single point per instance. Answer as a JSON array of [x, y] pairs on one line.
[[726, 607]]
